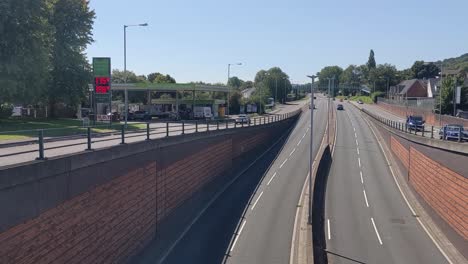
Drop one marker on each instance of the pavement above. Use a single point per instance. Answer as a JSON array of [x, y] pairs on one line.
[[366, 217], [253, 220], [13, 155]]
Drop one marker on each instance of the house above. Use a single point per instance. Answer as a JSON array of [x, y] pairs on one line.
[[246, 93], [433, 87], [409, 88]]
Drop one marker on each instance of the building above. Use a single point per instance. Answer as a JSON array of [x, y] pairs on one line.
[[433, 87], [409, 88]]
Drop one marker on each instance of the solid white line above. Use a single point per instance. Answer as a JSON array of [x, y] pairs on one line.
[[404, 197], [357, 150], [282, 164], [256, 201], [237, 236], [365, 197], [298, 143], [329, 234], [274, 174], [290, 154], [362, 179], [359, 161], [376, 231]]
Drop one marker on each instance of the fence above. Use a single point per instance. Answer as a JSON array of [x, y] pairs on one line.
[[90, 137], [427, 104]]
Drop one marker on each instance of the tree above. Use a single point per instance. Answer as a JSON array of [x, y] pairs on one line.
[[276, 81], [329, 72], [157, 77], [235, 82], [371, 62], [26, 37], [70, 75], [423, 70], [119, 76], [383, 75]]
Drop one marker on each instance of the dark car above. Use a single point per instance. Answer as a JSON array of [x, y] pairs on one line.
[[340, 107], [415, 123], [453, 132], [139, 115]]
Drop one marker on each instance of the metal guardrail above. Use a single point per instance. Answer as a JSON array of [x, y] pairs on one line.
[[432, 133], [170, 129]]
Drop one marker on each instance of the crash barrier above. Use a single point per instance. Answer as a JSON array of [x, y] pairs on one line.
[[438, 174], [88, 137], [104, 206], [318, 207], [433, 133]]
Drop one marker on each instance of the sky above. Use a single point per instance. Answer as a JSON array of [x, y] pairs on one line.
[[195, 40]]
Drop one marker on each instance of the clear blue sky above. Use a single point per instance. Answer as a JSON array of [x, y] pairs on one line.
[[195, 40]]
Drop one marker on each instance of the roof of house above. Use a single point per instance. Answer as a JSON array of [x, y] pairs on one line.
[[405, 85]]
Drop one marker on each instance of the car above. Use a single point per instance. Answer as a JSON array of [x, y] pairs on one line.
[[140, 115], [359, 102], [341, 99], [243, 119], [452, 131], [415, 123], [339, 107]]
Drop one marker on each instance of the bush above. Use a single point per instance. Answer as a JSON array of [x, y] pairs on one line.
[[374, 96], [6, 110]]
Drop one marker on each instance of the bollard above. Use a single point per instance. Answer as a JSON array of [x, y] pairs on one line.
[[217, 124], [148, 131], [255, 121], [183, 128], [207, 125], [196, 126], [235, 124], [41, 145], [432, 131], [422, 132], [459, 135], [444, 134], [88, 132], [122, 133], [167, 129], [248, 122], [227, 124]]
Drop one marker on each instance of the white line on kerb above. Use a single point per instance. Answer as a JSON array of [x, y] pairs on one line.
[[282, 164], [365, 197], [357, 150], [329, 234], [376, 231], [362, 179], [298, 143], [256, 201], [359, 161], [274, 174], [237, 236], [290, 154]]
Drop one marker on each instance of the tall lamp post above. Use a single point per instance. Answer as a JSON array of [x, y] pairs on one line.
[[229, 87], [311, 145], [125, 65]]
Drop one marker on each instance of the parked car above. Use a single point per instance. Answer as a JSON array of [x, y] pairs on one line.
[[415, 123], [359, 102], [340, 107], [452, 132], [139, 115], [243, 119]]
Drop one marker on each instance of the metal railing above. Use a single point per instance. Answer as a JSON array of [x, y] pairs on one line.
[[122, 134], [432, 133]]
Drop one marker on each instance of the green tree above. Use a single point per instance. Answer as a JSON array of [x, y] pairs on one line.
[[329, 72], [423, 70], [25, 41], [119, 76], [383, 75], [371, 64], [235, 82], [70, 75], [157, 77], [275, 80]]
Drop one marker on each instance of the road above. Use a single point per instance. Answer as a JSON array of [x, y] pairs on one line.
[[366, 217], [265, 232], [158, 130]]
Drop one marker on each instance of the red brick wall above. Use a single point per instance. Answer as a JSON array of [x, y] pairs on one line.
[[400, 151], [112, 221], [444, 190], [246, 143]]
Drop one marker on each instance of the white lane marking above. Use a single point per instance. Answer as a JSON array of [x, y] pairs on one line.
[[362, 179], [274, 175], [359, 161], [365, 197], [357, 143], [303, 136], [237, 236], [256, 201], [376, 231], [298, 143], [357, 150], [282, 164], [329, 233], [406, 200], [355, 135], [290, 154]]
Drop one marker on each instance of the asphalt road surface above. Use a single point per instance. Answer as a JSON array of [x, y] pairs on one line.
[[265, 233], [366, 217], [158, 130]]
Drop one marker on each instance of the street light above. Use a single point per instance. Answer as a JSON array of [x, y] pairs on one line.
[[125, 65], [311, 140], [229, 87]]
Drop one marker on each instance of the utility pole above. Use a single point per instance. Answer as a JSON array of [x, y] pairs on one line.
[[311, 170]]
